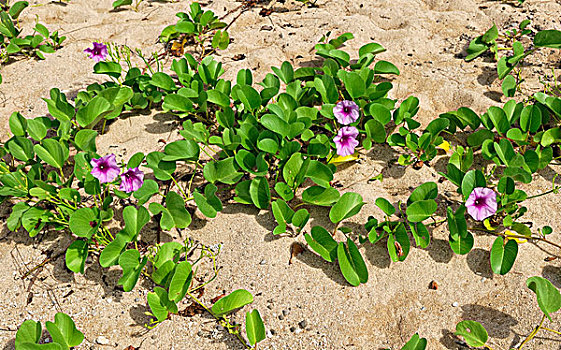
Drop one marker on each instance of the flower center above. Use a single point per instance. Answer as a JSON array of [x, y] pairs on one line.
[[346, 109], [479, 201], [102, 167]]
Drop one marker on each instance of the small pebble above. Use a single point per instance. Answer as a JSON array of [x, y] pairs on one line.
[[285, 312], [303, 324], [269, 334], [292, 329], [423, 308], [281, 317], [101, 340], [298, 331], [219, 328], [263, 262], [483, 279], [455, 304]]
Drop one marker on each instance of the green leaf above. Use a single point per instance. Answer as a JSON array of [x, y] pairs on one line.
[[76, 256], [509, 86], [231, 302], [163, 81], [457, 224], [148, 189], [249, 97], [462, 244], [254, 327], [18, 124], [119, 3], [181, 150], [348, 205], [135, 219], [52, 152], [473, 332], [548, 38], [503, 255], [322, 243], [385, 205], [28, 332], [84, 222], [355, 86], [180, 281], [209, 204], [112, 69], [398, 243], [420, 210], [530, 119], [64, 332], [110, 254], [160, 304], [385, 67], [323, 196], [428, 190], [372, 48], [319, 173], [549, 298], [222, 171], [415, 343], [260, 193], [132, 266], [85, 140], [351, 263]]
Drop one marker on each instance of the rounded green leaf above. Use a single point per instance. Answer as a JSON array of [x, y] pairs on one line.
[[322, 243], [181, 281], [84, 222], [473, 332], [132, 267], [351, 263], [385, 205], [28, 332], [254, 327], [76, 255], [317, 195], [64, 332], [420, 210], [231, 302], [503, 255], [260, 193], [348, 205], [461, 244], [549, 298]]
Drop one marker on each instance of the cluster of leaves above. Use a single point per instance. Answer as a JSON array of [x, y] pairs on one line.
[[13, 44], [63, 332], [196, 28], [549, 301], [509, 67]]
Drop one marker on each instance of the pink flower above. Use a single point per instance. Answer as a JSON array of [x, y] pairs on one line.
[[131, 180], [481, 203], [105, 169], [346, 112], [346, 140], [98, 52]]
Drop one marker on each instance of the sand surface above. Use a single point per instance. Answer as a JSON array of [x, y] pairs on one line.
[[426, 40]]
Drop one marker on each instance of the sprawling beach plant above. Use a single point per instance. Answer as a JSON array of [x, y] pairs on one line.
[[274, 145], [13, 44]]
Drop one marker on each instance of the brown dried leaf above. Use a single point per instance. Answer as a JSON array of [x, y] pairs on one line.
[[215, 299], [433, 285], [238, 57]]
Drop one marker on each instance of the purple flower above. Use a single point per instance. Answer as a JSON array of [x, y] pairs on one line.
[[98, 52], [105, 169], [131, 180], [346, 112], [346, 140], [481, 203]]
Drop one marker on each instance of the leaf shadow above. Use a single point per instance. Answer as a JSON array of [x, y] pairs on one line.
[[331, 270], [498, 324], [478, 262]]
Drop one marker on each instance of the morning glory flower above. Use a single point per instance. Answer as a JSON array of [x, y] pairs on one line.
[[98, 52], [131, 180], [105, 169], [346, 140], [481, 203], [346, 112]]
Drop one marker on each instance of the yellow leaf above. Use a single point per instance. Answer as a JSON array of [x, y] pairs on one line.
[[509, 235], [488, 226], [337, 160], [445, 146]]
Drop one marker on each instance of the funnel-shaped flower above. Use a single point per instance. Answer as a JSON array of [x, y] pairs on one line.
[[98, 52], [131, 180], [481, 203], [346, 112], [105, 169], [346, 140]]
